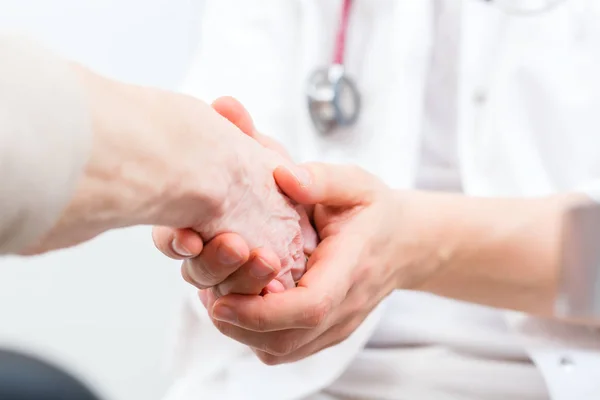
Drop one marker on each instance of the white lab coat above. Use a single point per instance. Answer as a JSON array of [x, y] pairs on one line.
[[525, 111]]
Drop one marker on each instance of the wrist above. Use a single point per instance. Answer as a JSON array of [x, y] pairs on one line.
[[133, 175], [421, 236], [116, 190], [502, 252]]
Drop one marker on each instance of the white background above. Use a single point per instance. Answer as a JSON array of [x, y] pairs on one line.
[[103, 310]]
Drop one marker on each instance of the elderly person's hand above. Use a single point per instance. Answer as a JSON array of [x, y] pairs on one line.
[[161, 158], [228, 263]]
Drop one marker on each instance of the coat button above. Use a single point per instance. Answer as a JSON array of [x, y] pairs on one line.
[[479, 97], [566, 363]]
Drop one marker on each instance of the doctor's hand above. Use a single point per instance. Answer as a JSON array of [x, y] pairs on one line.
[[228, 263], [359, 261]]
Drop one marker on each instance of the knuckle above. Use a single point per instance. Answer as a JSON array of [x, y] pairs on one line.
[[217, 291], [338, 340], [160, 238], [364, 177], [359, 303], [222, 327], [213, 196], [262, 322], [316, 314], [363, 271], [348, 329], [268, 359], [187, 276], [256, 321], [203, 273], [283, 345]]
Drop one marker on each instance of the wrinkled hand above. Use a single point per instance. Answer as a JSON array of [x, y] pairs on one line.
[[228, 263], [359, 261]]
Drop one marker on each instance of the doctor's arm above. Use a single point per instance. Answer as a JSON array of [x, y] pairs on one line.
[[505, 253], [502, 252], [497, 252], [81, 154]]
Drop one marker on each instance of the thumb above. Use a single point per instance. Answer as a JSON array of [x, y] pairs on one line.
[[327, 184]]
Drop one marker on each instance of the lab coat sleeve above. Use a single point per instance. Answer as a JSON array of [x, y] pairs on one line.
[[547, 338], [45, 135]]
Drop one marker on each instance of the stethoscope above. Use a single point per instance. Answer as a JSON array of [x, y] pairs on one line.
[[334, 100]]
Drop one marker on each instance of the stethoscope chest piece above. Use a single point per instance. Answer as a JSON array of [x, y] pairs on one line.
[[333, 99]]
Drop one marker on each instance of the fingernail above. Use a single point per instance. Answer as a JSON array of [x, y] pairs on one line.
[[261, 269], [275, 287], [228, 256], [224, 313], [303, 176], [180, 249]]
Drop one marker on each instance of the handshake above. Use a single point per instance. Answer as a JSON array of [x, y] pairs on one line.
[[288, 259], [250, 259], [251, 264], [252, 221], [278, 251]]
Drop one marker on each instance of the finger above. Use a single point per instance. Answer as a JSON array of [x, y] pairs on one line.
[[308, 232], [332, 337], [236, 113], [319, 292], [271, 144], [203, 296], [210, 300], [280, 343], [178, 244], [294, 344], [252, 277], [274, 287], [331, 185], [221, 257], [232, 110], [260, 313]]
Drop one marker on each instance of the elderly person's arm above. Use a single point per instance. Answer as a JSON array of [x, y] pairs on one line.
[[81, 154]]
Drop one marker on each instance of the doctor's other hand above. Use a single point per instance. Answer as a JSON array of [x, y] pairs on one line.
[[227, 263], [360, 260]]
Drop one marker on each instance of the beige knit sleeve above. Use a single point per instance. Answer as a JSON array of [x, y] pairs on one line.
[[45, 138]]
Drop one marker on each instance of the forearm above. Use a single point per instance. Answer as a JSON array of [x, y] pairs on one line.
[[127, 177], [498, 252], [82, 154], [151, 157], [133, 175]]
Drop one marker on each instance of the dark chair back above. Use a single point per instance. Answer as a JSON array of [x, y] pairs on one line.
[[24, 377]]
